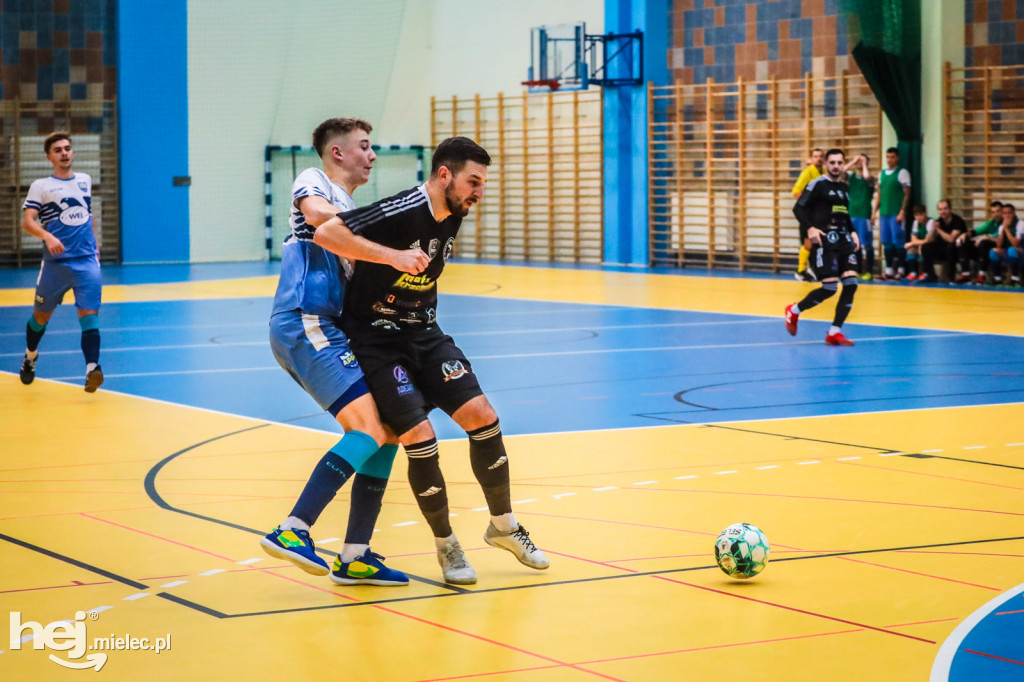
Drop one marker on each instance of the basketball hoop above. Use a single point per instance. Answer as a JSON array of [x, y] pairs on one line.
[[549, 83]]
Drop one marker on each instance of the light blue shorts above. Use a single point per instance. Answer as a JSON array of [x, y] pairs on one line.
[[892, 231], [56, 277], [316, 354]]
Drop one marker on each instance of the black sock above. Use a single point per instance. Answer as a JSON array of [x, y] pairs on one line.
[[367, 497], [816, 296], [329, 474], [91, 345], [427, 485], [845, 300], [490, 466], [33, 336]]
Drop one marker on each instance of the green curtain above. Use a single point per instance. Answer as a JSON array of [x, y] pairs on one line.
[[886, 35]]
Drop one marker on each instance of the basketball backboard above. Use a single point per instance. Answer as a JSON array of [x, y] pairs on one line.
[[557, 58]]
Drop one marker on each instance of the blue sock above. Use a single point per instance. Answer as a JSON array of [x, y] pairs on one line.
[[331, 472], [90, 338]]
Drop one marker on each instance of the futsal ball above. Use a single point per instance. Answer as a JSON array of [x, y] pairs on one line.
[[742, 550]]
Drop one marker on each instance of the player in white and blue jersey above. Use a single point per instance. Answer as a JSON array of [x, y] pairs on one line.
[[58, 210], [308, 343]]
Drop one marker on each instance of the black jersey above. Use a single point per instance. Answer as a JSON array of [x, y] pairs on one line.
[[380, 299], [825, 204]]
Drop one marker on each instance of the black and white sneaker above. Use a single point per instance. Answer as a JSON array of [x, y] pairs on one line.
[[28, 370], [519, 543]]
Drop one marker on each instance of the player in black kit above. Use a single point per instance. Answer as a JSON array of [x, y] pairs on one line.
[[411, 366], [825, 205]]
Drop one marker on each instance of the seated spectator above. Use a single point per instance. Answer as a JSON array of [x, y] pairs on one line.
[[919, 231], [1008, 246], [941, 244], [981, 240]]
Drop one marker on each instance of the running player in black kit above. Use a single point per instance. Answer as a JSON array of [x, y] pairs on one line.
[[825, 205], [411, 366]]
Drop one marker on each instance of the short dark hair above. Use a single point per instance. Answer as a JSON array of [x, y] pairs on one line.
[[834, 150], [947, 202], [333, 127], [454, 152], [53, 138], [1011, 207], [892, 150], [996, 203], [919, 208]]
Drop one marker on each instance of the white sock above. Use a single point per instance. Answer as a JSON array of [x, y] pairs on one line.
[[795, 309], [31, 354], [350, 553], [834, 329], [89, 366], [441, 542], [506, 523], [294, 523]]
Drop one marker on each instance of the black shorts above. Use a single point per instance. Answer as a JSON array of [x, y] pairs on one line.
[[409, 375], [832, 262]]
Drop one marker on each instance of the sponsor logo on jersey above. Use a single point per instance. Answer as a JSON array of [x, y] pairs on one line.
[[73, 216], [454, 369], [431, 315], [410, 319], [384, 324], [415, 282], [406, 388], [415, 244], [839, 208], [382, 309], [432, 247], [82, 185], [349, 360], [449, 246], [401, 376], [832, 237]]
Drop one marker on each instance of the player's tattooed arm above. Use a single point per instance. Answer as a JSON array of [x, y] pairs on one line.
[[335, 236]]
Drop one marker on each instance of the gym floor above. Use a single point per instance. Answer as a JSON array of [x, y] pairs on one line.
[[644, 412]]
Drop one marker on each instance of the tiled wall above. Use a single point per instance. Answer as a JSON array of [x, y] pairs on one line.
[[756, 39], [994, 32], [58, 49]]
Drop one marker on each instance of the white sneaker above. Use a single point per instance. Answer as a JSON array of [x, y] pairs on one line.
[[454, 567], [518, 542]]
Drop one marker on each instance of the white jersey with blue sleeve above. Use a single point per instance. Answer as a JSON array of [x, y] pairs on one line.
[[65, 211], [312, 278]]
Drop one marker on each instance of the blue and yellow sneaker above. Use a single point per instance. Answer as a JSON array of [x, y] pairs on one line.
[[295, 546], [367, 569]]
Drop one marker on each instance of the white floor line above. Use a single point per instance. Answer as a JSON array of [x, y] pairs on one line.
[[721, 473], [174, 583], [137, 595], [846, 459], [212, 571], [645, 482], [607, 487], [405, 523], [683, 478], [770, 466], [249, 561], [810, 462], [561, 495]]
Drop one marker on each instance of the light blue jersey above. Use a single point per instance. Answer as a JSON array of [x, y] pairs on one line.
[[65, 211], [312, 278]]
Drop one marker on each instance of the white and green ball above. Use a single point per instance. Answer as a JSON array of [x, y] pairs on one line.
[[742, 550]]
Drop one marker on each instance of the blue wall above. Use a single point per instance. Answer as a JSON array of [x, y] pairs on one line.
[[153, 118], [625, 132]]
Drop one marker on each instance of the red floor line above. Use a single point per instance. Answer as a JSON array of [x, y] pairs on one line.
[[590, 561], [120, 509], [927, 475], [929, 551], [158, 537], [1008, 613], [926, 575], [128, 492], [923, 622], [488, 674], [793, 608], [722, 646], [775, 551], [998, 658], [55, 587]]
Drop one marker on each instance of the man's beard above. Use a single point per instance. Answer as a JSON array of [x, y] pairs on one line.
[[454, 205]]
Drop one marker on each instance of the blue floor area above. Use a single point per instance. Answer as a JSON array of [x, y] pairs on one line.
[[550, 367], [993, 650]]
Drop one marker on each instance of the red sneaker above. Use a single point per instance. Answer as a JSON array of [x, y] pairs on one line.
[[912, 277], [791, 320], [837, 339]]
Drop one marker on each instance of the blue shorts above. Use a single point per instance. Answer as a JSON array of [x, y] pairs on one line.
[[56, 277], [316, 354], [892, 231]]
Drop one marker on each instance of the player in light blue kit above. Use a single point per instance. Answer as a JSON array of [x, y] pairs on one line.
[[58, 210], [309, 345]]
